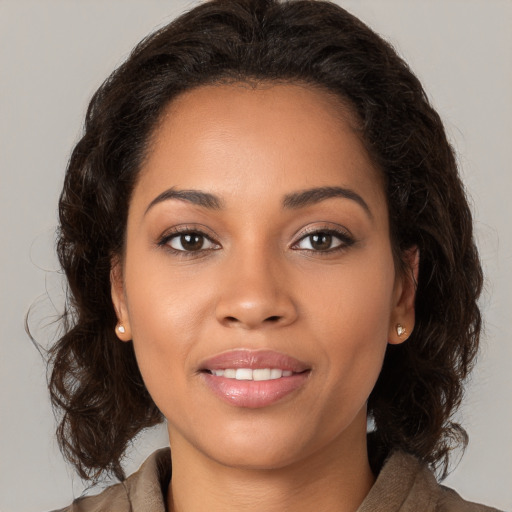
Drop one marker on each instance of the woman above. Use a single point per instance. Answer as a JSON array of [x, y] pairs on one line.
[[267, 244]]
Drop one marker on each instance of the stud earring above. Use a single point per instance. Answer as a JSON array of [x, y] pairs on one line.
[[121, 329], [400, 330]]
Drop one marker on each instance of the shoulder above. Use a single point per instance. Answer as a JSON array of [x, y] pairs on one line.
[[449, 501], [144, 490], [113, 498], [405, 484]]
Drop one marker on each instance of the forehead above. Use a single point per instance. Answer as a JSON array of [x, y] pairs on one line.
[[235, 139], [247, 108]]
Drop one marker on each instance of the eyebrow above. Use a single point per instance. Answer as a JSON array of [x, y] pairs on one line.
[[196, 197], [292, 201], [316, 195]]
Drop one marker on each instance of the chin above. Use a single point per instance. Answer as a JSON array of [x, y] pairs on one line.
[[251, 444], [255, 456], [259, 444]]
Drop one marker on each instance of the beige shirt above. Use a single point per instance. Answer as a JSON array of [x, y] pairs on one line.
[[403, 485]]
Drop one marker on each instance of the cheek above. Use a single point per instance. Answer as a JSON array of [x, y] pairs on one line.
[[350, 311], [354, 300], [165, 313], [163, 302]]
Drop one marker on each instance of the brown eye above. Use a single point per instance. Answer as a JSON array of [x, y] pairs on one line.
[[324, 241], [321, 241], [190, 242]]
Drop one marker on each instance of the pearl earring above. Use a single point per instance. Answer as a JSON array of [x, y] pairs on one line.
[[121, 329], [400, 330]]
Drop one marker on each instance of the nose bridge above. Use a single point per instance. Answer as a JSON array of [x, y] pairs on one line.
[[255, 291]]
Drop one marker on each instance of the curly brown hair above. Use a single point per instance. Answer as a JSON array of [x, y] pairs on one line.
[[95, 382]]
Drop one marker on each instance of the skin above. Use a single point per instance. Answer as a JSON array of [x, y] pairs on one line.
[[261, 284]]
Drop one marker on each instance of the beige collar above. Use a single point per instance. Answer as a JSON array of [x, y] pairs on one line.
[[404, 485]]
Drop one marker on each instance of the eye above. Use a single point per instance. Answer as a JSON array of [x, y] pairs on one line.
[[189, 241], [324, 241]]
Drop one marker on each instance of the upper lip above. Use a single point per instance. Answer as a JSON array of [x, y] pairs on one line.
[[253, 359]]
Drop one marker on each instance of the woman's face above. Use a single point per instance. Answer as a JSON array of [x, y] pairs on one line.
[[258, 282]]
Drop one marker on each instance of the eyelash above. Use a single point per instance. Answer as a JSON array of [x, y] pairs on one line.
[[182, 231], [345, 238]]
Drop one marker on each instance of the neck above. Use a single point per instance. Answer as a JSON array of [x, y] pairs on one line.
[[336, 479]]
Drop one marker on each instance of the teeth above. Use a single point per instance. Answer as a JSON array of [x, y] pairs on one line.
[[243, 374], [275, 373], [263, 374], [258, 374]]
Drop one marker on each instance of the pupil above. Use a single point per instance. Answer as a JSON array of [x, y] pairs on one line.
[[321, 241], [192, 242]]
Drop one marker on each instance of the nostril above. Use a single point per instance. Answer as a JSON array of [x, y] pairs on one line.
[[254, 317]]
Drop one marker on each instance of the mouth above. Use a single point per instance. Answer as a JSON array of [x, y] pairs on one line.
[[258, 374], [253, 379]]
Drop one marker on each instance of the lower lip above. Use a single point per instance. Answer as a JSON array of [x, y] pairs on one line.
[[254, 394]]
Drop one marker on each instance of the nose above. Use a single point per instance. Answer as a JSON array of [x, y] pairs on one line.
[[255, 293]]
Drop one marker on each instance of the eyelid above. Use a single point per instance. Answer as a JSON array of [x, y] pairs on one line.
[[182, 229], [336, 230]]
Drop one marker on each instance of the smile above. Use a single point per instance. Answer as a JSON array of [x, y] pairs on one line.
[[259, 374], [253, 378]]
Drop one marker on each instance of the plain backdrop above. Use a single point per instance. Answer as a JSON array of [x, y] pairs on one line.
[[55, 53]]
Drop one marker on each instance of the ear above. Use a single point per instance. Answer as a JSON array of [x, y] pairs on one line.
[[402, 317], [123, 329]]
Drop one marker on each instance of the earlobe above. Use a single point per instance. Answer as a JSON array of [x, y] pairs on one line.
[[403, 315], [123, 332], [122, 329]]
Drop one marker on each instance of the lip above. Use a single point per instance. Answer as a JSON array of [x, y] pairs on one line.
[[253, 394], [253, 359]]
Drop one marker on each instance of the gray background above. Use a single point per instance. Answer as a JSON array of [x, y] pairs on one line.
[[53, 55]]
